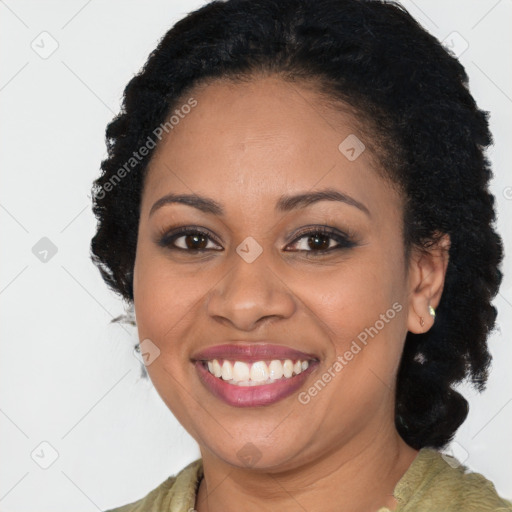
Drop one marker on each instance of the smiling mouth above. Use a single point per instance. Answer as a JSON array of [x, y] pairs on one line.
[[253, 375], [258, 373]]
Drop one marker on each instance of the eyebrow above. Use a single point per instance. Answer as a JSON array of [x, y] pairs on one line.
[[288, 203], [285, 203], [204, 204]]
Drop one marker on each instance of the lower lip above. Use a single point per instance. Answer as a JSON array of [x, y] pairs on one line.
[[251, 396]]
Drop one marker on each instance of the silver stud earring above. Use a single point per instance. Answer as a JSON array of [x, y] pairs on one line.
[[432, 311]]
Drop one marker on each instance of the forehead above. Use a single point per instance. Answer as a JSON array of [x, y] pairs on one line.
[[259, 139]]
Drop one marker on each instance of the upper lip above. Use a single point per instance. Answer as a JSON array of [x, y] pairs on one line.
[[250, 352]]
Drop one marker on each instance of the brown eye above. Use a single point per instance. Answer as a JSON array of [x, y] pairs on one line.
[[318, 242], [195, 241], [321, 240]]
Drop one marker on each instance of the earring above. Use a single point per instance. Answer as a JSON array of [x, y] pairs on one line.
[[432, 311]]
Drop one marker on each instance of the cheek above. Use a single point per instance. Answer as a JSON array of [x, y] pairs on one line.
[[164, 294], [354, 296], [361, 310], [361, 307], [164, 300]]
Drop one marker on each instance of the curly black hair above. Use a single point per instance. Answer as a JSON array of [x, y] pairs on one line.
[[428, 133]]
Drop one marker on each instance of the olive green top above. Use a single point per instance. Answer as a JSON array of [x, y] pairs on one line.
[[433, 483]]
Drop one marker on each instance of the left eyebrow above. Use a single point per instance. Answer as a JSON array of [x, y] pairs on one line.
[[288, 203]]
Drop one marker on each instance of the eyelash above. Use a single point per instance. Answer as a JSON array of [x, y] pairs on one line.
[[343, 241], [169, 238]]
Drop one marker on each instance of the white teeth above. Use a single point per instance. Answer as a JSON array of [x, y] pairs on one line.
[[257, 373], [287, 368], [275, 370], [217, 370], [227, 370], [241, 371]]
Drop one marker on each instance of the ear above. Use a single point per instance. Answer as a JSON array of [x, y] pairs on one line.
[[427, 271]]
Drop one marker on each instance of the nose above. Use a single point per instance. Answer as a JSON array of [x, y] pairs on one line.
[[249, 295]]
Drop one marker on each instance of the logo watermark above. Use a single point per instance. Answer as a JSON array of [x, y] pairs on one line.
[[342, 360], [149, 144]]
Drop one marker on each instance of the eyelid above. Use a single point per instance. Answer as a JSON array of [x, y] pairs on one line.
[[168, 235], [328, 231]]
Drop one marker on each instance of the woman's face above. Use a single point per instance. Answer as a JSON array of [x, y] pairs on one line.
[[299, 257]]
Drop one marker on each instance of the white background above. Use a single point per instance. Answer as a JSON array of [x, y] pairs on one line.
[[68, 376]]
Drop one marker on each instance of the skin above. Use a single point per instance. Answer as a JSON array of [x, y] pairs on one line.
[[245, 146]]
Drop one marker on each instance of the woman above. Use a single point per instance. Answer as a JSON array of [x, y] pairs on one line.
[[296, 203]]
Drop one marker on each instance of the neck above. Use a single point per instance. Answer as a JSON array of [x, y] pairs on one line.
[[359, 477]]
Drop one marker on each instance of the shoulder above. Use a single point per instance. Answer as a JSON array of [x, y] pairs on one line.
[[439, 482], [175, 493]]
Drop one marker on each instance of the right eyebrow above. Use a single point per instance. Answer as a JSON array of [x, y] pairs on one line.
[[204, 204]]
